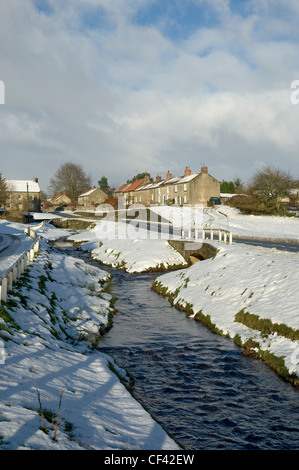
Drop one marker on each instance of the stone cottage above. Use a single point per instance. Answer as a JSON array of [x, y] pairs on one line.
[[191, 189], [24, 195], [92, 198]]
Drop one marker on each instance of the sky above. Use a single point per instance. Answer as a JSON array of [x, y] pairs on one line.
[[126, 86]]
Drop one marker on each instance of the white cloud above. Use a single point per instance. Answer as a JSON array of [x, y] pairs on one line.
[[122, 97]]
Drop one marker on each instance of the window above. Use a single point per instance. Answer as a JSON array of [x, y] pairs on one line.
[[176, 188], [185, 187], [19, 196], [167, 190], [176, 199], [185, 199]]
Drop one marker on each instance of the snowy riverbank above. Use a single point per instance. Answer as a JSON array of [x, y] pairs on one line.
[[54, 314], [247, 293], [130, 254]]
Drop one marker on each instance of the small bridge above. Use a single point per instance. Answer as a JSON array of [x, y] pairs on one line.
[[193, 249]]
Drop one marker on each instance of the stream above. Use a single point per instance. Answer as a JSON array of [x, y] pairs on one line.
[[196, 384]]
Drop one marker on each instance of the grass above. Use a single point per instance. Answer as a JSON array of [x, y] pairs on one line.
[[252, 349], [265, 326], [48, 416], [7, 318]]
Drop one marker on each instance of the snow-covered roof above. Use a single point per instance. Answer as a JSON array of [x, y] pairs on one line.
[[87, 193], [20, 186], [169, 181], [188, 178], [227, 194]]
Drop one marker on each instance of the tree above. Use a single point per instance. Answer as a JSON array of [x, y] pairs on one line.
[[3, 191], [104, 186], [140, 176], [71, 180], [227, 187], [270, 185], [238, 184]]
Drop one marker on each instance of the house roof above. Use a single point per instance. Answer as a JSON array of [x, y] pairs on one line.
[[88, 192], [169, 181], [20, 186], [122, 187], [134, 185], [57, 196]]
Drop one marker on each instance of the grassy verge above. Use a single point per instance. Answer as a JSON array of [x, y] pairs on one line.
[[265, 325]]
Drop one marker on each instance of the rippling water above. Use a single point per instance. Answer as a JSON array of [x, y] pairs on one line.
[[197, 384]]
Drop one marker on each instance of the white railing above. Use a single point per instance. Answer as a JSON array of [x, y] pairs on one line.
[[222, 235], [9, 277]]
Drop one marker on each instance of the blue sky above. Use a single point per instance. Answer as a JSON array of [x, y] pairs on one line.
[[123, 86]]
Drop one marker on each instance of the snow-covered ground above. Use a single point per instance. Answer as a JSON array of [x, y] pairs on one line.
[[229, 218], [13, 242], [62, 300], [131, 254], [53, 315]]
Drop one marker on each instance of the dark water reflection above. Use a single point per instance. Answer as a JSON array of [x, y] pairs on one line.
[[199, 385]]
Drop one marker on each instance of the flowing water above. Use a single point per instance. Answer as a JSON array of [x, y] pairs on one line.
[[197, 384]]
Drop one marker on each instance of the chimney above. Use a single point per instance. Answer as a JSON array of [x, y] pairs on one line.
[[204, 169], [168, 175], [36, 179], [146, 178], [158, 179], [187, 171]]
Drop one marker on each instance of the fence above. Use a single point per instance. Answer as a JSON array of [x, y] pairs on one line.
[[223, 235], [9, 277]]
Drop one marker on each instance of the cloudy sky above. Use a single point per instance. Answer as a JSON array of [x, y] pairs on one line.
[[125, 86]]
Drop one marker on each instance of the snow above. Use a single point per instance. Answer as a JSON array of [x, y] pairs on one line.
[[23, 186], [62, 305], [59, 308], [131, 254], [229, 218], [13, 242]]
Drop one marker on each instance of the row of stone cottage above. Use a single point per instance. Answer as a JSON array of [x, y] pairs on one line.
[[191, 188]]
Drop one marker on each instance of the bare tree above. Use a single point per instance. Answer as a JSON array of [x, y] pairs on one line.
[[3, 191], [71, 180], [270, 185]]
